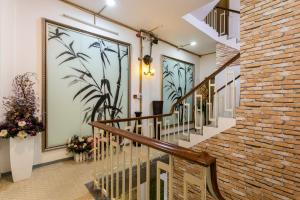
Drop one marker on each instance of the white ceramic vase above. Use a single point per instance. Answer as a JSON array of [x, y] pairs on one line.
[[21, 157], [76, 157]]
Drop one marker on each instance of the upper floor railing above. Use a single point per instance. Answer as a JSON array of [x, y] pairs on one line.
[[225, 21]]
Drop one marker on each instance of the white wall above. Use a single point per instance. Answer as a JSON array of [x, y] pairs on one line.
[[207, 66], [21, 51]]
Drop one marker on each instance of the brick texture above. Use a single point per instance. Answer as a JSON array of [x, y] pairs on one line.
[[224, 53], [259, 158]]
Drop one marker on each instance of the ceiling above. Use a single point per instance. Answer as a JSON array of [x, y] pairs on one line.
[[148, 14]]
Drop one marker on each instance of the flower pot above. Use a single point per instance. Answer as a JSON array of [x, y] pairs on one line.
[[157, 107], [21, 157], [76, 157], [80, 157]]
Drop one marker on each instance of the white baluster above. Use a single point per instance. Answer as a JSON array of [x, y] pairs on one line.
[[215, 19], [117, 168], [130, 170], [107, 161], [111, 153], [198, 112], [186, 105], [212, 117], [170, 176], [150, 129], [167, 131], [223, 15], [102, 158], [138, 168], [123, 173], [148, 174], [232, 92], [168, 168]]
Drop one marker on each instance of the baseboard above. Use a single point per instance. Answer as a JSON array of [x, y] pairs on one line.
[[40, 165]]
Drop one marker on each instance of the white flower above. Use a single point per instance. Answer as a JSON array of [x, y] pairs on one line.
[[21, 123], [3, 133], [90, 139], [22, 134], [84, 145], [81, 139], [75, 146]]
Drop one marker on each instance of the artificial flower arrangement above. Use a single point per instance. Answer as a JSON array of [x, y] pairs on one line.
[[21, 109], [81, 147]]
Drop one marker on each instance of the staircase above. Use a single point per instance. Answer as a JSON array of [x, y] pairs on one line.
[[221, 24], [224, 123], [127, 157]]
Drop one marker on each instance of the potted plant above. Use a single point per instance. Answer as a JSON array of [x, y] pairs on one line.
[[21, 125], [80, 147]]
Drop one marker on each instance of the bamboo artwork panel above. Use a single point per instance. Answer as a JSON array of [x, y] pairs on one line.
[[177, 80], [86, 79]]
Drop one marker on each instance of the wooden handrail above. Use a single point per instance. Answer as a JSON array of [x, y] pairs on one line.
[[203, 158], [205, 81], [229, 82], [200, 158], [229, 10]]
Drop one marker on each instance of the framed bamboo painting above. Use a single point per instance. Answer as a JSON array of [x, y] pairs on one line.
[[177, 80], [86, 78]]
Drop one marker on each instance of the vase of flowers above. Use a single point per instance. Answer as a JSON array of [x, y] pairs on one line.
[[80, 147], [21, 125]]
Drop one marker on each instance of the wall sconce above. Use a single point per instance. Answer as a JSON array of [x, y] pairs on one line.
[[148, 71]]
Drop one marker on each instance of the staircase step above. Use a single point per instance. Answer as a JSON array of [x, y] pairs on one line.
[[224, 123]]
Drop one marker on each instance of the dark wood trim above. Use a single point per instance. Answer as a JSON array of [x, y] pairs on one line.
[[178, 60], [134, 118], [203, 158], [122, 24], [229, 82], [229, 10], [214, 181], [173, 45], [208, 53]]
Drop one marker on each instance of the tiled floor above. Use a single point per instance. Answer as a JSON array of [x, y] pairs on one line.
[[61, 181]]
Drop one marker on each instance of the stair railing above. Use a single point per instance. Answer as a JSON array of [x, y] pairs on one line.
[[161, 133], [187, 115], [218, 19], [129, 171]]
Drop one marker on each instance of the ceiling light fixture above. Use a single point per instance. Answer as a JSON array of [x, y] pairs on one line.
[[111, 3], [193, 43]]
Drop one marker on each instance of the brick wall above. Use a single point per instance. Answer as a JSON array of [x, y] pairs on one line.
[[259, 159], [224, 53]]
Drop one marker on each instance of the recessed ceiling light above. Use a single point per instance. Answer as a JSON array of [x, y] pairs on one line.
[[193, 43], [110, 2]]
